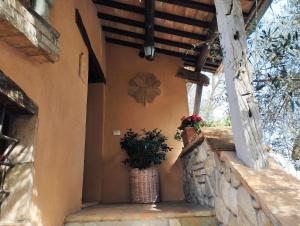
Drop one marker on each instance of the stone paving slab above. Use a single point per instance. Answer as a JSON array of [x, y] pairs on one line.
[[133, 212], [191, 221]]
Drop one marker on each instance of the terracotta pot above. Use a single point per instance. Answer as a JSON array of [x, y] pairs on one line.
[[144, 185], [188, 135]]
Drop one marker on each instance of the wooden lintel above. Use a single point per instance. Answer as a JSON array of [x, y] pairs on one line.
[[14, 98], [195, 77]]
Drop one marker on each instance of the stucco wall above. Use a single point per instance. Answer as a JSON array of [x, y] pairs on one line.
[[123, 112], [61, 97], [94, 143]]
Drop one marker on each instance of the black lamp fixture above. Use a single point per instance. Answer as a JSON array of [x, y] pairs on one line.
[[149, 52], [149, 49]]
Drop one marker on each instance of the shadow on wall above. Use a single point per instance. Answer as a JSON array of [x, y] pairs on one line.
[[18, 181]]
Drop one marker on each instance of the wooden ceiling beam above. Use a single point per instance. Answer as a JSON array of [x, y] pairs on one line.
[[192, 5], [140, 46], [197, 6], [120, 5], [156, 39], [204, 52], [195, 77], [215, 65], [158, 14], [149, 22], [157, 28]]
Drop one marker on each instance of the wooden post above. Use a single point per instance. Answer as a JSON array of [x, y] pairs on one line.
[[244, 112], [204, 52], [198, 96]]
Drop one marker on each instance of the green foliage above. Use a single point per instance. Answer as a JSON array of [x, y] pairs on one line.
[[274, 51], [216, 123], [178, 135], [190, 121], [144, 150]]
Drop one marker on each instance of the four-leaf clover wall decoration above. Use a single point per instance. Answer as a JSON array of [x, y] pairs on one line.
[[144, 87]]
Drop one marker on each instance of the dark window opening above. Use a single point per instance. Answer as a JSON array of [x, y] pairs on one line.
[[27, 3], [4, 130]]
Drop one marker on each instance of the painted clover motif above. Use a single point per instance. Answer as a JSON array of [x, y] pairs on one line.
[[144, 87]]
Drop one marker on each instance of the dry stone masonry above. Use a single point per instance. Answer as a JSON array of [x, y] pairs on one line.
[[28, 32], [212, 178]]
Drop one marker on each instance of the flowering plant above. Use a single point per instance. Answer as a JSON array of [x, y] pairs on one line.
[[195, 121]]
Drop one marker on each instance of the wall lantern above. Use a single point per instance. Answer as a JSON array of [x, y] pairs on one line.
[[149, 52]]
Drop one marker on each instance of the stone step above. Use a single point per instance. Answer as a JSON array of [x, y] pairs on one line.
[[163, 214]]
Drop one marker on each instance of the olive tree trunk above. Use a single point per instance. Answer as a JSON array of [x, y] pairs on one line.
[[244, 112]]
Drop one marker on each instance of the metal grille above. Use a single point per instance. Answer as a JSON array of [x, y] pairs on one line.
[[5, 164]]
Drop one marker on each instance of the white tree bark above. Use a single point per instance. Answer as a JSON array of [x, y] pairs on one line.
[[244, 112]]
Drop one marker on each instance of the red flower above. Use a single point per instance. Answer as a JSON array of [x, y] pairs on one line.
[[199, 118]]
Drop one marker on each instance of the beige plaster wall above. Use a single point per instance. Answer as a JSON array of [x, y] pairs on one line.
[[61, 95], [94, 143], [123, 112]]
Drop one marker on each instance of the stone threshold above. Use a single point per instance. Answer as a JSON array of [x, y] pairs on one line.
[[135, 212]]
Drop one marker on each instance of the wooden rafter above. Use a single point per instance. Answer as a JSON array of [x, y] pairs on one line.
[[157, 28], [192, 5], [173, 35], [158, 50], [204, 52], [156, 39], [158, 14], [193, 76], [197, 6]]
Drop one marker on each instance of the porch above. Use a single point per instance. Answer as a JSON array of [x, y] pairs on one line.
[[125, 64]]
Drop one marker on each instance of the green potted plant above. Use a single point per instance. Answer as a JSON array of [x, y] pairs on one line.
[[144, 152], [189, 128]]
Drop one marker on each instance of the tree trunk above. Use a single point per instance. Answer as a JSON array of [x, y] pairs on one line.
[[244, 112]]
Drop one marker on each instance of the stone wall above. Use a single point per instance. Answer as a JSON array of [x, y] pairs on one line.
[[28, 32], [211, 180]]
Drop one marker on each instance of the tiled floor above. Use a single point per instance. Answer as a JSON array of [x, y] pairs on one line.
[[141, 212]]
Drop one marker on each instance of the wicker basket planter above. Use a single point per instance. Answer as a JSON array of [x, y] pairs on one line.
[[144, 185]]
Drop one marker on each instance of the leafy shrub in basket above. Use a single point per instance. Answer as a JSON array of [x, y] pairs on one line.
[[144, 150]]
